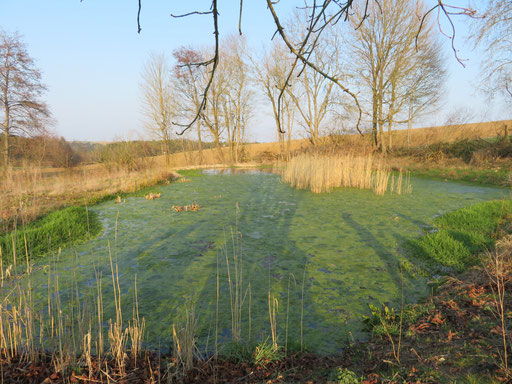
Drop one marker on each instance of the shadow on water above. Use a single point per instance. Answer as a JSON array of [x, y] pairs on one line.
[[342, 245], [263, 218]]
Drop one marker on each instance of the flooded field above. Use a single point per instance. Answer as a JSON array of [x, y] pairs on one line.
[[322, 257]]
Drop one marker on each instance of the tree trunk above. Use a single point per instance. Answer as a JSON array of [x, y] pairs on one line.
[[390, 141], [375, 119], [166, 149], [6, 139], [199, 142], [289, 141], [381, 122], [409, 125], [219, 148]]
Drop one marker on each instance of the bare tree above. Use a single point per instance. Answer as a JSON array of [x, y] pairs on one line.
[[398, 71], [322, 15], [237, 106], [212, 111], [188, 85], [158, 99], [271, 72], [23, 112], [493, 32], [314, 96]]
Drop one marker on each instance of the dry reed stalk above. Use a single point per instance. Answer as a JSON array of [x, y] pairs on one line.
[[236, 294], [322, 173], [184, 340], [381, 180], [116, 335], [87, 352], [273, 306], [136, 329], [498, 266]]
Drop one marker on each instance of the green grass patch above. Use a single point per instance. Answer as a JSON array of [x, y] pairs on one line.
[[498, 177], [458, 236], [56, 230], [190, 172]]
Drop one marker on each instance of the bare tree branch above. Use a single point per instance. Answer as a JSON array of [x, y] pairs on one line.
[[192, 13], [138, 17], [448, 11], [240, 17], [299, 53], [215, 62], [320, 18]]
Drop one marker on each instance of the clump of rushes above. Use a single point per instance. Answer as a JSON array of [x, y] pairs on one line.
[[458, 235], [56, 230], [322, 173]]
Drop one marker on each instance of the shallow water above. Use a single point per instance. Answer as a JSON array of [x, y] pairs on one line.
[[331, 253]]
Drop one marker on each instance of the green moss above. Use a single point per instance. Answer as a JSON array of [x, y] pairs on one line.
[[56, 230], [461, 234]]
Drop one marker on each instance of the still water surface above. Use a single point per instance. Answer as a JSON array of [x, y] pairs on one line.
[[323, 256]]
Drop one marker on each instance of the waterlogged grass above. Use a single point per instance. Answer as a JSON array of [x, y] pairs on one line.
[[458, 236], [72, 225], [322, 257]]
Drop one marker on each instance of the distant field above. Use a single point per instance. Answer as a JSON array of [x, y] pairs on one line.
[[419, 136]]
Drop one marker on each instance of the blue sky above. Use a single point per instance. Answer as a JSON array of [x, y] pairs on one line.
[[91, 58]]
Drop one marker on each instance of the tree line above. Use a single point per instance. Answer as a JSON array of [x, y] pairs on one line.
[[396, 73], [388, 53]]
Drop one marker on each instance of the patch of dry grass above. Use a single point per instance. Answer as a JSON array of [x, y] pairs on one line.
[[322, 173], [31, 192]]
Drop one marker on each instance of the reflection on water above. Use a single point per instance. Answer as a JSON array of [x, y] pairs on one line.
[[324, 255], [235, 171]]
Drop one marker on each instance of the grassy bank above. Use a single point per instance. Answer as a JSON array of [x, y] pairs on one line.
[[56, 230], [482, 161], [499, 176], [458, 236], [458, 335], [28, 194]]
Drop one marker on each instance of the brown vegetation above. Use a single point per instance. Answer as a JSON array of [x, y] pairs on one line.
[[31, 192], [322, 173], [152, 196], [187, 208]]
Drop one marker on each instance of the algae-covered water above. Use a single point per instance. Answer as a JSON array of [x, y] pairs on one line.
[[324, 257]]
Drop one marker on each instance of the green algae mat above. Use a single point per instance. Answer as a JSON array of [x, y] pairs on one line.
[[321, 258]]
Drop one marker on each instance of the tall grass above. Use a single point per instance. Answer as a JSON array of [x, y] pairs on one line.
[[322, 173], [67, 334], [497, 263], [29, 193], [70, 225]]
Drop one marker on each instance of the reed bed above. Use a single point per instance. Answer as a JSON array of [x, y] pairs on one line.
[[322, 173], [68, 338], [68, 333]]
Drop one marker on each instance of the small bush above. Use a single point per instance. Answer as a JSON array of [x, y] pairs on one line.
[[265, 353], [238, 352], [55, 230], [346, 376], [382, 321]]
